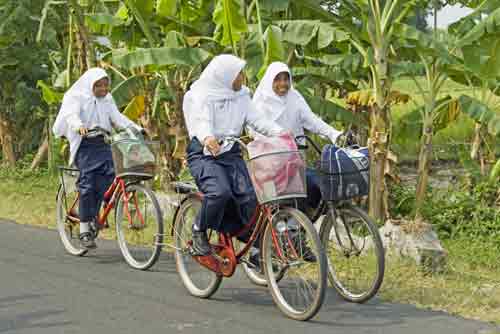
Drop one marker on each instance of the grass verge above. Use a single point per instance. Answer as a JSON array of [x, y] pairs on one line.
[[462, 289]]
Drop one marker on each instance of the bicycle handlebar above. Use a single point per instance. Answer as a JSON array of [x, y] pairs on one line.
[[307, 138], [232, 140], [348, 135], [97, 131]]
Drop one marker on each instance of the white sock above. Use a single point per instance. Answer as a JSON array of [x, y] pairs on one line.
[[84, 227], [254, 250], [292, 224]]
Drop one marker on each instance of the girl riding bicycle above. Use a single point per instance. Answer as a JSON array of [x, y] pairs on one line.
[[88, 105], [219, 106], [276, 98]]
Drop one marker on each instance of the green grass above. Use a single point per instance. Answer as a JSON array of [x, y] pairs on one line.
[[462, 289], [28, 198]]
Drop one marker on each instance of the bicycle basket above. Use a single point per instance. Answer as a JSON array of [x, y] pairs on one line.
[[344, 173], [69, 178], [133, 158], [276, 169]]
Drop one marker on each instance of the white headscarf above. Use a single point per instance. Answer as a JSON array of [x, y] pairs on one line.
[[213, 108], [78, 96], [216, 81], [290, 111], [265, 93]]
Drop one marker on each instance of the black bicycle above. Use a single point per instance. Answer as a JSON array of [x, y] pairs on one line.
[[350, 237]]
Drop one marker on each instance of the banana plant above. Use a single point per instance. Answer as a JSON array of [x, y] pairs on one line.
[[370, 26], [22, 62], [442, 59], [434, 57], [479, 44], [156, 67]]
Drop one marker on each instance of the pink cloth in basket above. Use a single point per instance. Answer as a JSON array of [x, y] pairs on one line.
[[282, 169]]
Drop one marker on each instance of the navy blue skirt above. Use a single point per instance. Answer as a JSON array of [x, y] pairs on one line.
[[95, 162], [229, 198]]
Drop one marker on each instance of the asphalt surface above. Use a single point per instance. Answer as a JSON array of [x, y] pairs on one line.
[[44, 290]]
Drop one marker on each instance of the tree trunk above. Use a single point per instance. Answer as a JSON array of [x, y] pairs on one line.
[[87, 44], [424, 160], [6, 138], [379, 136], [181, 135], [165, 156], [476, 143], [378, 147], [479, 150], [41, 153]]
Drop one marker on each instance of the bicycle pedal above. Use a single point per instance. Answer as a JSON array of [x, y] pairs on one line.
[[193, 253], [249, 264]]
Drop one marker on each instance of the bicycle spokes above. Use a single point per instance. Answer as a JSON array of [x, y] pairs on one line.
[[139, 226], [355, 253], [197, 278], [295, 264]]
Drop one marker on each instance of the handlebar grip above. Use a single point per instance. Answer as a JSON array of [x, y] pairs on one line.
[[308, 139]]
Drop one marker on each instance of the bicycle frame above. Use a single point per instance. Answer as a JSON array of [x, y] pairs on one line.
[[225, 258], [115, 190]]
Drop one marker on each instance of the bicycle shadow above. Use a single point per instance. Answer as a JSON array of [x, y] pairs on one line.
[[338, 314], [28, 320], [16, 300]]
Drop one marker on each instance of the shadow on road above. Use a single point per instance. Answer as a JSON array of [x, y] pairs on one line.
[[33, 319]]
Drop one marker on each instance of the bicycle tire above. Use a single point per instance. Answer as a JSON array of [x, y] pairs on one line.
[[63, 226], [278, 288], [182, 235], [334, 256], [148, 229]]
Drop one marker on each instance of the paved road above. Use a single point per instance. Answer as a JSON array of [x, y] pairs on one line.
[[43, 290]]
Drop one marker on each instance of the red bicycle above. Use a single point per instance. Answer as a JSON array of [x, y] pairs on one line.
[[297, 283], [138, 218]]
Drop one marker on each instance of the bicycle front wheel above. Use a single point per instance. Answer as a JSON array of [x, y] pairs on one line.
[[355, 253], [139, 226], [295, 264]]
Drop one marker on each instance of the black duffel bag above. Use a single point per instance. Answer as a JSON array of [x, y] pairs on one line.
[[344, 172]]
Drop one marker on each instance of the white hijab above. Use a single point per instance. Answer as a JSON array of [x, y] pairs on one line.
[[275, 105], [216, 81], [78, 97], [212, 99]]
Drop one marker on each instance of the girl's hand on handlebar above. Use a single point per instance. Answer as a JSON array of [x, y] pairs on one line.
[[212, 145], [83, 131], [346, 138], [335, 137]]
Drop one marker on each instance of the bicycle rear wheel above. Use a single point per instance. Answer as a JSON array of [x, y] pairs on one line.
[[139, 226], [355, 253], [69, 231], [198, 280], [295, 264]]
